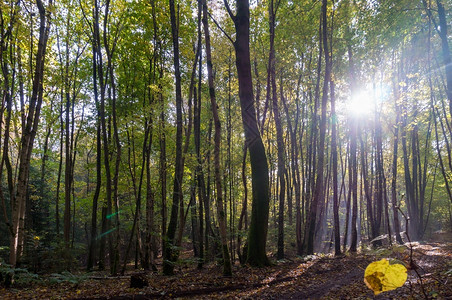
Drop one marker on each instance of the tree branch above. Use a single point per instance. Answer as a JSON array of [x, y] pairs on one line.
[[221, 29], [430, 15], [228, 8]]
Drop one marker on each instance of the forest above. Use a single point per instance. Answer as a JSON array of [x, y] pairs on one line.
[[224, 149]]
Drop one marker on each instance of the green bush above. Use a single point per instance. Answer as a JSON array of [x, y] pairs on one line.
[[17, 277], [68, 277]]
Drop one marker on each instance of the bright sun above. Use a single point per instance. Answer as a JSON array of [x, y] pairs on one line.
[[361, 104]]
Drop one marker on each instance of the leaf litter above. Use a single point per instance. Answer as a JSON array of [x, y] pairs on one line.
[[324, 277]]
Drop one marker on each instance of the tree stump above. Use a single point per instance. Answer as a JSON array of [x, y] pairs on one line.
[[138, 280]]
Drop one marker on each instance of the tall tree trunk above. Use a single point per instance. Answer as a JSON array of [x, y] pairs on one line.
[[396, 222], [257, 237], [105, 141], [272, 9], [197, 208], [295, 170], [337, 234], [138, 192], [410, 189], [209, 234], [6, 103], [93, 243], [367, 186], [183, 215], [68, 146], [318, 196], [379, 188], [442, 28], [201, 187], [243, 220], [353, 165], [60, 168], [446, 50], [227, 269], [45, 156], [170, 254], [28, 136], [109, 49], [435, 115]]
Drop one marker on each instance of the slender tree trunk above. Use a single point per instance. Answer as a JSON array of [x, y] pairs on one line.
[[209, 233], [197, 208], [6, 103], [380, 190], [367, 187], [138, 193], [272, 9], [408, 179], [163, 170], [109, 49], [93, 244], [257, 237], [353, 166], [28, 136], [337, 234], [105, 141], [150, 200], [243, 221], [435, 116], [60, 168], [183, 215], [227, 269], [170, 254], [394, 172], [309, 186], [295, 170], [442, 32], [201, 187], [43, 193], [354, 188], [68, 145], [318, 193]]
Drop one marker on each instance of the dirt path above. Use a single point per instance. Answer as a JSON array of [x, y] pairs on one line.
[[342, 278], [332, 284]]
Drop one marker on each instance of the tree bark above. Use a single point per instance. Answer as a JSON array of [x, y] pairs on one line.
[[396, 222], [272, 9], [442, 32], [318, 196], [93, 243], [353, 166], [337, 234], [28, 136], [257, 237], [68, 174], [170, 254], [227, 269]]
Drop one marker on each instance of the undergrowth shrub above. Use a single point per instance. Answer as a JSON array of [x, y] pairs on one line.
[[17, 277], [68, 277]]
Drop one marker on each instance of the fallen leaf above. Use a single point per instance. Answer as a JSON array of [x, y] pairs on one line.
[[380, 276]]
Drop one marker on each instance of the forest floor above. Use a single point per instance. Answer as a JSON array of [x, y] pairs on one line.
[[316, 277]]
